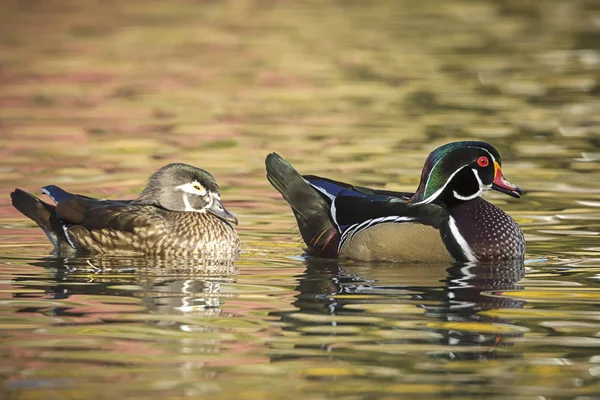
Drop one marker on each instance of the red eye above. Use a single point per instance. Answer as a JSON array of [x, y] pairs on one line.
[[483, 161]]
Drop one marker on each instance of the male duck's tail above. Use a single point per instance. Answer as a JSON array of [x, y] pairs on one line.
[[309, 206], [42, 214]]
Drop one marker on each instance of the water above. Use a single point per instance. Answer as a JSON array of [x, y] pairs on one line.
[[94, 96]]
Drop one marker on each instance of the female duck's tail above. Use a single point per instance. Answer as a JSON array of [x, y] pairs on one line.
[[42, 214]]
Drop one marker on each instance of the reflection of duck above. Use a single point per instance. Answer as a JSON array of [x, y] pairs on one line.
[[442, 301], [444, 221], [199, 296], [462, 284], [168, 286], [179, 212]]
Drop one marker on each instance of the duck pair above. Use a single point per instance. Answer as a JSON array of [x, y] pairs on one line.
[[180, 213]]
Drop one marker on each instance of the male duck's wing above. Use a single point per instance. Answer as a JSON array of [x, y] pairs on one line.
[[356, 207], [330, 188], [353, 209]]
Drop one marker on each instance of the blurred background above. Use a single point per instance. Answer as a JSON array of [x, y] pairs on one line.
[[97, 95]]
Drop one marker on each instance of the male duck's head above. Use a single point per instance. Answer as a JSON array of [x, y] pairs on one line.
[[462, 171], [181, 187]]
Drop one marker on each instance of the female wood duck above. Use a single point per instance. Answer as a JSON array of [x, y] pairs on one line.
[[178, 213], [445, 220]]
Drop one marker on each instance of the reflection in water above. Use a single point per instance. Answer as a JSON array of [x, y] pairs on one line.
[[183, 286], [219, 328], [440, 299]]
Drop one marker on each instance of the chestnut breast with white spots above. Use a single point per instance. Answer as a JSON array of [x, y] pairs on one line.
[[491, 233]]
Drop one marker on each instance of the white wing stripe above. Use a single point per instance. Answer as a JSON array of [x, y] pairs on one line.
[[49, 195], [356, 228], [333, 212], [66, 231], [320, 189]]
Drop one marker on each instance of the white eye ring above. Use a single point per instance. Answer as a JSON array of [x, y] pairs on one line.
[[193, 188]]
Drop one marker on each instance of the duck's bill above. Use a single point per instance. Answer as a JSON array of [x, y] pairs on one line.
[[502, 185], [219, 210]]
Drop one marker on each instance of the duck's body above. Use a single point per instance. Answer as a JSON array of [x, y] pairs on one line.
[[168, 219], [444, 221]]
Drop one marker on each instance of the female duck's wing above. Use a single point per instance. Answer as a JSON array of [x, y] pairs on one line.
[[91, 213], [96, 225]]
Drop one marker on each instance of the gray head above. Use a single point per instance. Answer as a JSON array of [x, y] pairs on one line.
[[181, 187]]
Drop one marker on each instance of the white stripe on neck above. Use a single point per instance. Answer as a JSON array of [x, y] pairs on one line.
[[460, 240], [435, 195]]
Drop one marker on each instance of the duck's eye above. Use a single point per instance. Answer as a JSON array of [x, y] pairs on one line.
[[483, 161], [199, 189]]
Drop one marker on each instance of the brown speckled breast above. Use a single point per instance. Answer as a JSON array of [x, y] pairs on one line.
[[199, 234], [491, 233]]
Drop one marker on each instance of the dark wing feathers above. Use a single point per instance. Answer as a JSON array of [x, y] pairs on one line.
[[94, 215], [355, 208], [357, 204], [331, 188], [56, 194], [97, 225], [327, 187], [329, 212], [116, 226], [72, 209]]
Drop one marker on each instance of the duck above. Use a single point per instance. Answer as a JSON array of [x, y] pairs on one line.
[[444, 221], [178, 213]]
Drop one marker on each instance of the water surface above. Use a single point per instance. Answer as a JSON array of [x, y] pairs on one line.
[[95, 96]]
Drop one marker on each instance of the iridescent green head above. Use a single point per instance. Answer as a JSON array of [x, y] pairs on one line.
[[462, 171]]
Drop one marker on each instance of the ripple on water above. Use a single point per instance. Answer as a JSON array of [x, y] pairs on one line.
[[554, 295]]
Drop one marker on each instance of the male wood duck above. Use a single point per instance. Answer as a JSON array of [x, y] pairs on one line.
[[445, 220], [178, 213]]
